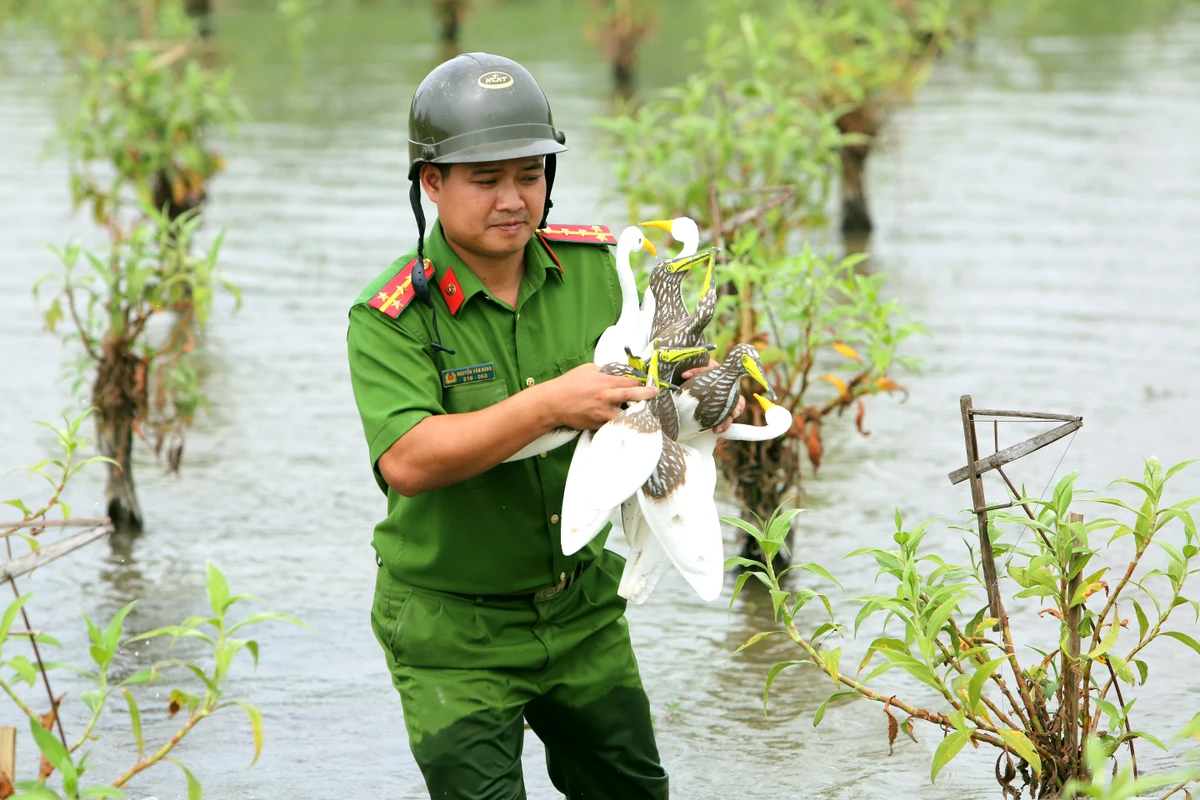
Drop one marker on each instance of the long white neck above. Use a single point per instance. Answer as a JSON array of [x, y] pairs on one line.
[[629, 290]]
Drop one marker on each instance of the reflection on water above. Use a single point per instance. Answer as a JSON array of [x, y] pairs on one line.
[[1032, 208]]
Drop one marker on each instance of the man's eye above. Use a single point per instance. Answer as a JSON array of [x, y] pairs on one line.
[[486, 183], [532, 178]]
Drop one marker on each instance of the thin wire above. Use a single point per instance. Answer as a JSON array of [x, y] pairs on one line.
[[1024, 529], [1060, 460]]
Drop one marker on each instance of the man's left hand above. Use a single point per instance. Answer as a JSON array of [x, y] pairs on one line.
[[741, 403]]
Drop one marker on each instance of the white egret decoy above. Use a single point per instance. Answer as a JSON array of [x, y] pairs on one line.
[[562, 434], [684, 231], [679, 525], [607, 467], [626, 331], [707, 400], [617, 459]]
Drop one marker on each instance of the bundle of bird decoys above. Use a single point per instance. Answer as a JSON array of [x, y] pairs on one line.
[[651, 469]]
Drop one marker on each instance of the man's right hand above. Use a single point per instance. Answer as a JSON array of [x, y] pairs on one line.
[[586, 398]]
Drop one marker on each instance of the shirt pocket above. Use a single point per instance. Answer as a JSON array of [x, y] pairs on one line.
[[565, 365], [473, 396]]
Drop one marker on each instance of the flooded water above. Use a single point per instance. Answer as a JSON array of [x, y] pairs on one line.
[[1036, 208]]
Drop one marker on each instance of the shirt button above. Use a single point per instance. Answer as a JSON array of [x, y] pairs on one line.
[[541, 455], [554, 519], [529, 381]]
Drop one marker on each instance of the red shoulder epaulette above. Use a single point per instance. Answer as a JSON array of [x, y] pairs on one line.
[[396, 293], [591, 234]]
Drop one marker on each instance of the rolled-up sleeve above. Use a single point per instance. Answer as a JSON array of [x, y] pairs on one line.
[[396, 383]]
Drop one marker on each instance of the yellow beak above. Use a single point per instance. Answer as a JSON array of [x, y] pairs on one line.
[[766, 404], [661, 224], [754, 370], [646, 244], [708, 276], [688, 262], [676, 355]]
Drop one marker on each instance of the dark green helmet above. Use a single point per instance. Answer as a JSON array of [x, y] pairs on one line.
[[479, 107]]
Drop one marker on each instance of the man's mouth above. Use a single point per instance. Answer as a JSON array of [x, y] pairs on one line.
[[510, 227]]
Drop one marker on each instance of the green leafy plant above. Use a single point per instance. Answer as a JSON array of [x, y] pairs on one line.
[[1037, 707], [142, 379], [209, 696], [208, 687], [141, 135]]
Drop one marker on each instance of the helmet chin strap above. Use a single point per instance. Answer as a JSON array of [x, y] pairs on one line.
[[420, 281], [551, 167]]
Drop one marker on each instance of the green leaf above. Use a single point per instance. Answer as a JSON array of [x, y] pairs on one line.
[[737, 588], [1151, 738], [252, 646], [135, 722], [817, 569], [1183, 637], [193, 785], [18, 504], [111, 792], [256, 725], [982, 673], [775, 670], [1143, 623], [820, 715], [738, 561], [92, 698], [10, 614], [832, 657], [25, 668], [1110, 640], [1143, 670], [32, 790], [947, 750], [218, 591], [753, 640], [56, 754], [1120, 668], [140, 677], [1020, 744], [778, 598], [111, 639]]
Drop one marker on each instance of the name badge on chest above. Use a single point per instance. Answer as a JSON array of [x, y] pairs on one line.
[[476, 373]]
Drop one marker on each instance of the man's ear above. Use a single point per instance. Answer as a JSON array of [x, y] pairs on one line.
[[431, 181]]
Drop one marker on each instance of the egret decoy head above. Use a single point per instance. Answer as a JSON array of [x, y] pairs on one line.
[[682, 229], [673, 355], [688, 262], [754, 368]]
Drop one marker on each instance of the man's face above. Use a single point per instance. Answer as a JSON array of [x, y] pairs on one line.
[[489, 209]]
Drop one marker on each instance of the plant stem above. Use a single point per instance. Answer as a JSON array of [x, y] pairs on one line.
[[162, 751], [21, 705], [984, 733], [994, 708]]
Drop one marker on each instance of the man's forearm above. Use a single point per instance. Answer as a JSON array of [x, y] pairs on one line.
[[447, 448]]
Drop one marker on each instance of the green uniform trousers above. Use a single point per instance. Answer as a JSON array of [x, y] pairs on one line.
[[470, 670]]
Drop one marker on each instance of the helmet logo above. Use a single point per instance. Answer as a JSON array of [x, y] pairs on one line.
[[495, 80]]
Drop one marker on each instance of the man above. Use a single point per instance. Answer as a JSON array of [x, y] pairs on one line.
[[462, 352]]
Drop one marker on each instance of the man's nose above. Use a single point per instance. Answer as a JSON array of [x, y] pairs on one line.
[[508, 198]]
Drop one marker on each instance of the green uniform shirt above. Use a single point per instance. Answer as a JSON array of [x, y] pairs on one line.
[[496, 533]]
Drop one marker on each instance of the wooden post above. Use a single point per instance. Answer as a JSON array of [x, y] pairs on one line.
[[8, 754], [991, 583], [1070, 669]]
